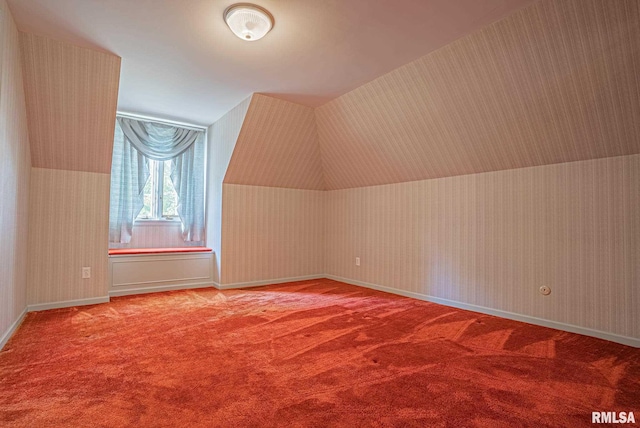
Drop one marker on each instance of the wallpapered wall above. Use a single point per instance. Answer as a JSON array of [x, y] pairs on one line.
[[15, 165], [68, 230], [493, 239], [71, 95], [271, 233]]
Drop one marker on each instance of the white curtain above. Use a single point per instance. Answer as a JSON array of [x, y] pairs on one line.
[[135, 143]]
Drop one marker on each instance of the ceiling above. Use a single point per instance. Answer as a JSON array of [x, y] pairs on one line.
[[555, 82], [71, 95], [181, 62]]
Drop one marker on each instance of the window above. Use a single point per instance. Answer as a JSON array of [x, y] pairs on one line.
[[142, 188], [160, 197]]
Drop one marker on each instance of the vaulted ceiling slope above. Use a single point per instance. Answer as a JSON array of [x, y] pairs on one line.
[[178, 56], [277, 147], [71, 95], [556, 82]]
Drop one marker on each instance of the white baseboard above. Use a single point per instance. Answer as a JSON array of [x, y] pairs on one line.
[[630, 341], [67, 304], [265, 282], [157, 289], [12, 329]]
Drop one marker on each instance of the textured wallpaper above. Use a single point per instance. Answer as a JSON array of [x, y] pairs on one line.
[[68, 230], [493, 239], [554, 82], [271, 233], [277, 147], [71, 94], [15, 165]]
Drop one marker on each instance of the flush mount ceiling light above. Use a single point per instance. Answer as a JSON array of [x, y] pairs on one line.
[[248, 21]]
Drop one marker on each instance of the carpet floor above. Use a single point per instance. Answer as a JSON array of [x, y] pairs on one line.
[[309, 354]]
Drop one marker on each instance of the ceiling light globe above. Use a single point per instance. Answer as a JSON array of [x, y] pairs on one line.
[[248, 22]]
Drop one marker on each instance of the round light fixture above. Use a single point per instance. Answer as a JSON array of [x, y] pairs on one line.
[[248, 21]]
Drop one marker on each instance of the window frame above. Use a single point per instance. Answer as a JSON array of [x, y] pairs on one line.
[[156, 175]]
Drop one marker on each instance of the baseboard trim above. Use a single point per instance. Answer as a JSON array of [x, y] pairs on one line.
[[67, 304], [158, 289], [12, 329], [265, 282], [630, 341]]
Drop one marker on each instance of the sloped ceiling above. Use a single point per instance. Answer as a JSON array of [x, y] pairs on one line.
[[556, 82], [71, 95], [317, 50], [277, 147]]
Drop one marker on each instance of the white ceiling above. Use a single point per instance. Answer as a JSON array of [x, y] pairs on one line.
[[181, 62]]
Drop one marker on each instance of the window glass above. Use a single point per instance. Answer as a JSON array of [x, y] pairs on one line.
[[160, 196], [169, 195], [147, 208]]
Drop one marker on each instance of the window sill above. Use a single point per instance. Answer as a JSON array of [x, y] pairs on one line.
[[156, 222], [151, 251]]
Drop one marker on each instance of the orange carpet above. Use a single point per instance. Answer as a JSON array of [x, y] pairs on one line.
[[308, 354]]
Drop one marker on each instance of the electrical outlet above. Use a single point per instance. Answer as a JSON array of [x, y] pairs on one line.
[[357, 261], [86, 272], [545, 291]]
